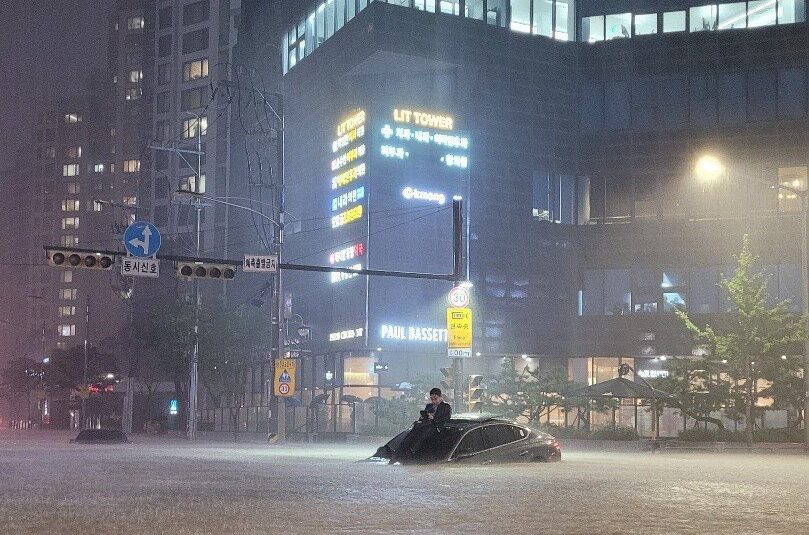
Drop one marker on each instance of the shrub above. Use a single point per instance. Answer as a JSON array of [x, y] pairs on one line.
[[759, 435]]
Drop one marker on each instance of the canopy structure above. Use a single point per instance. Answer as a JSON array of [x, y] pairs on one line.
[[620, 388]]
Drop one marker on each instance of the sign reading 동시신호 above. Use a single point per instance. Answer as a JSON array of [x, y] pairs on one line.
[[140, 267], [260, 263]]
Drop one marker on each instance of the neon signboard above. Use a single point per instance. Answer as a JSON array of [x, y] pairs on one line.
[[348, 138], [350, 197], [412, 333], [348, 176], [348, 157], [410, 193], [420, 118], [349, 253], [349, 216], [352, 122], [339, 276], [348, 334]]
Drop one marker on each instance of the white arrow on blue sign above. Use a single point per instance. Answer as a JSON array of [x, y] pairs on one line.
[[142, 239]]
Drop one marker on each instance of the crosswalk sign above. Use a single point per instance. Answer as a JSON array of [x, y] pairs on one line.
[[284, 383]]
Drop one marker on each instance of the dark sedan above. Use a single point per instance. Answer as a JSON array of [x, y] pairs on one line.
[[476, 440]]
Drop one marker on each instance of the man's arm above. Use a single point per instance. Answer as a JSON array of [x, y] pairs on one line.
[[442, 413]]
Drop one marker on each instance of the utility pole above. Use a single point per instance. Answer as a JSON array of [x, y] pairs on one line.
[[805, 280], [83, 423], [457, 257], [278, 294]]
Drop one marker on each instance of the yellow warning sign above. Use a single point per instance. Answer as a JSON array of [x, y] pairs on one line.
[[459, 328], [284, 383]]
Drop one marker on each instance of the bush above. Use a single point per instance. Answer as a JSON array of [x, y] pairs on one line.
[[605, 433], [759, 435]]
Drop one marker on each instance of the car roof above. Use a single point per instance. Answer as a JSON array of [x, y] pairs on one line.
[[469, 419]]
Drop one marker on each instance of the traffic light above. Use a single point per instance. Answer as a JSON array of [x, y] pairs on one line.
[[475, 393], [202, 270], [447, 381], [72, 259]]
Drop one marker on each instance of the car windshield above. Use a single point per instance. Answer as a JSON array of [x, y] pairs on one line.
[[427, 443]]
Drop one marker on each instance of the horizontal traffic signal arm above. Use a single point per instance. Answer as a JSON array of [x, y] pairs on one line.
[[294, 267]]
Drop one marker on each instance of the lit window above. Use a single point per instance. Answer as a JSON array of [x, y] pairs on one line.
[[70, 205], [70, 222], [592, 29], [72, 118], [732, 16], [73, 152], [618, 25], [703, 18], [67, 330], [131, 166], [196, 69], [135, 76], [192, 127], [674, 21], [646, 24], [134, 23], [112, 132], [97, 206], [65, 311], [98, 168], [67, 276], [115, 78], [68, 241], [73, 187], [189, 183], [67, 294], [133, 93], [130, 201], [791, 11], [792, 181], [71, 169], [521, 16]]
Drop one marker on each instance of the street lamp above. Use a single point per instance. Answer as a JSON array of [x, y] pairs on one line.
[[709, 169]]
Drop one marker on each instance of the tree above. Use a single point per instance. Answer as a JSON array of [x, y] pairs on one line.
[[531, 393], [699, 388], [403, 410], [231, 342], [17, 379], [66, 368], [752, 344]]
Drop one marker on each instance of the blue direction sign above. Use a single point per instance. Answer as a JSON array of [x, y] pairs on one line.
[[142, 239]]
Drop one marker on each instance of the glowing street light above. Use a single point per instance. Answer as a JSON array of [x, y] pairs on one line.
[[709, 169]]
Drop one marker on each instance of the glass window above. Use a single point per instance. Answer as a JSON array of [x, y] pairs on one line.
[[732, 16], [761, 13], [196, 69], [190, 127], [591, 106], [673, 103], [70, 169], [471, 444], [450, 7], [340, 14], [164, 18], [194, 98], [320, 24], [520, 16], [674, 21], [543, 18], [196, 12], [789, 286], [793, 178], [617, 297], [732, 98], [646, 24], [593, 293], [565, 20], [792, 93], [618, 25], [134, 23], [703, 100], [644, 105], [645, 290], [164, 45], [541, 197], [616, 105], [329, 19], [592, 29], [474, 9], [762, 95], [703, 18], [195, 41], [673, 301], [790, 11], [498, 435], [131, 166], [704, 290], [496, 12]]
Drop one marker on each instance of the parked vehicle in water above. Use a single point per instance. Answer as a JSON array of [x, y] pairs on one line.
[[101, 436], [474, 439]]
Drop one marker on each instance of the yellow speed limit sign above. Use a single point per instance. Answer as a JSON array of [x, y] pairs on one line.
[[284, 383], [459, 331]]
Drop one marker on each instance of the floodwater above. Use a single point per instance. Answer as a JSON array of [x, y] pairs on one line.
[[172, 486]]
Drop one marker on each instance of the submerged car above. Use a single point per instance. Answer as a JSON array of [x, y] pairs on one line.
[[101, 436], [475, 440]]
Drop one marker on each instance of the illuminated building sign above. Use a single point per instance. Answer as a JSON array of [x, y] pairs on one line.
[[426, 137], [348, 138], [339, 276], [453, 160], [349, 216], [390, 151], [653, 374], [348, 176], [349, 253], [418, 195], [348, 157], [350, 197], [352, 122], [419, 118], [411, 333], [346, 335]]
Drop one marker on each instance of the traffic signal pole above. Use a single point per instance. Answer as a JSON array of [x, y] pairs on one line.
[[457, 257]]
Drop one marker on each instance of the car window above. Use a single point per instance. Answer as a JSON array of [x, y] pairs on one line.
[[519, 432], [497, 435], [432, 443], [472, 443]]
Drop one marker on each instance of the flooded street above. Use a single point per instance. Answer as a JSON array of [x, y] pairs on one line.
[[164, 486]]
